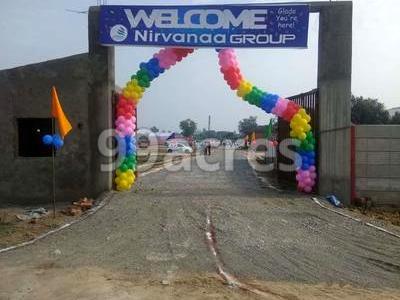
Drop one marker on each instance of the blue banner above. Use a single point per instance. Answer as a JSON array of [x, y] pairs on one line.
[[213, 26]]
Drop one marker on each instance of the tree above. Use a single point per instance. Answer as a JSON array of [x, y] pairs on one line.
[[395, 119], [188, 127], [368, 111], [248, 125], [154, 129]]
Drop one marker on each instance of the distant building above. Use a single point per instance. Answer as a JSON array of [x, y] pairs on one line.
[[393, 111]]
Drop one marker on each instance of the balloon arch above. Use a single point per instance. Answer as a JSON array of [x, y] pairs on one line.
[[286, 109]]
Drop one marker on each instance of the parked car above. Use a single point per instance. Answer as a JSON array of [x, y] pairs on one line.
[[179, 148]]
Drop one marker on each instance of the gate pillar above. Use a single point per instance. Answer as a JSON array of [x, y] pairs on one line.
[[334, 86]]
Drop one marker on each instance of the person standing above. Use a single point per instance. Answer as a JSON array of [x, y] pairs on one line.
[[208, 148]]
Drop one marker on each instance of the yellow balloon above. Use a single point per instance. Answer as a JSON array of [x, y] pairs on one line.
[[124, 184], [302, 112], [303, 122], [244, 88], [298, 130], [125, 92], [297, 118], [302, 136]]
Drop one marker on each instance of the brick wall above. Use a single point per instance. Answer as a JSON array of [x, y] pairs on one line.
[[377, 165]]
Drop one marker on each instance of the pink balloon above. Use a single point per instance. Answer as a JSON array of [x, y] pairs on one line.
[[128, 131], [280, 107], [313, 169], [308, 189]]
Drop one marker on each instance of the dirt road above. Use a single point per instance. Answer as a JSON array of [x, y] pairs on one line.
[[151, 243]]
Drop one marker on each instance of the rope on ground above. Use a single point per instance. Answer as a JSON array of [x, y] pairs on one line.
[[355, 219], [104, 200]]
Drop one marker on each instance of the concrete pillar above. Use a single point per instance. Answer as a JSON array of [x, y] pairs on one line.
[[334, 84], [101, 86]]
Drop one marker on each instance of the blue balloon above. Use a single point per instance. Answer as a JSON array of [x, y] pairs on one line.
[[268, 102], [127, 139], [154, 62], [57, 141], [305, 166], [47, 139], [142, 65]]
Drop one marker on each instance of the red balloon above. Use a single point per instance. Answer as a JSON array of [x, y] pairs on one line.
[[291, 109]]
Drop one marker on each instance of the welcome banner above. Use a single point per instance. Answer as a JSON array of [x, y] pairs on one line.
[[212, 26]]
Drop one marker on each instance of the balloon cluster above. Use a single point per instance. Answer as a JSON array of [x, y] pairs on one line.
[[280, 107], [125, 127], [308, 144], [306, 159], [299, 125], [170, 56], [54, 140], [125, 123], [166, 58], [286, 109], [306, 179]]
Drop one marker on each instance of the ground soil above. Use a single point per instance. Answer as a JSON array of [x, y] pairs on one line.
[[14, 231], [151, 243], [388, 217], [49, 281]]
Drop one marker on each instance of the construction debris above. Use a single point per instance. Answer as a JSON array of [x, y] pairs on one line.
[[78, 207], [32, 214]]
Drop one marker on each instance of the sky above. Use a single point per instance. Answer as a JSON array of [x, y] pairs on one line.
[[32, 31]]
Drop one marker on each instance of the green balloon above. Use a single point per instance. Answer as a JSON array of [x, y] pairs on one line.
[[144, 83], [123, 167], [143, 75]]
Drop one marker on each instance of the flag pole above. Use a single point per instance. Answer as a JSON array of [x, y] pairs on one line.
[[54, 169]]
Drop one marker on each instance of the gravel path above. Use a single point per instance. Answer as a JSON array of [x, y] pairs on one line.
[[158, 231]]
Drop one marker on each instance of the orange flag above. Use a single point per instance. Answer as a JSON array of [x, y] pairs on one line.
[[253, 137], [58, 113]]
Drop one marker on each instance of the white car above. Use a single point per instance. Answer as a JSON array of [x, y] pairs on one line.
[[179, 148]]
